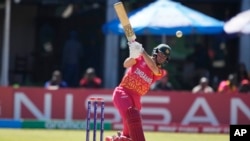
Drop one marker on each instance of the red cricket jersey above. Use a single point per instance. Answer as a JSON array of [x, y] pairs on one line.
[[139, 77]]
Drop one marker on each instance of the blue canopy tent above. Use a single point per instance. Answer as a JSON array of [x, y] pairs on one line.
[[165, 17]]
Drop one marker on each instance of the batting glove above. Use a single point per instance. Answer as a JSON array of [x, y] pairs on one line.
[[135, 49]]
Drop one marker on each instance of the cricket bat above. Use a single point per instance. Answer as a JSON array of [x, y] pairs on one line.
[[122, 15]]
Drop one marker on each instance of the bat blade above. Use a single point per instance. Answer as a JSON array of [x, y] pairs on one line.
[[122, 15]]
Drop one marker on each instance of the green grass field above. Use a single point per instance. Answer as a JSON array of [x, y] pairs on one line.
[[79, 135]]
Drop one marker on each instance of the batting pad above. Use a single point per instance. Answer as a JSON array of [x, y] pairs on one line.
[[135, 125]]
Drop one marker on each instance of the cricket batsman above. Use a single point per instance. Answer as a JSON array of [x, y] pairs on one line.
[[142, 70]]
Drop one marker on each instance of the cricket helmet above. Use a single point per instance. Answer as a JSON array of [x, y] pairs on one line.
[[164, 48]]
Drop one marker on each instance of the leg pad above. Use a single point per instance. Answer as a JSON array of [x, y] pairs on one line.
[[135, 125]]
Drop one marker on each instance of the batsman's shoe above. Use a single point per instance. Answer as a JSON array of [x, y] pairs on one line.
[[124, 138], [112, 138], [116, 138], [109, 138]]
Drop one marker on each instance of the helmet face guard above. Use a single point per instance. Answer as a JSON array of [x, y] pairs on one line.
[[163, 48]]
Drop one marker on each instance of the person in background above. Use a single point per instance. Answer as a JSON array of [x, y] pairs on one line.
[[72, 57], [202, 62], [228, 85], [241, 73], [244, 86], [56, 81], [90, 80], [203, 86], [142, 71], [162, 84]]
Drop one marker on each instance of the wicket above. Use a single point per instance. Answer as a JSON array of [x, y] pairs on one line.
[[95, 102]]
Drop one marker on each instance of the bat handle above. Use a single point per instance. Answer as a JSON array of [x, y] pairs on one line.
[[131, 38]]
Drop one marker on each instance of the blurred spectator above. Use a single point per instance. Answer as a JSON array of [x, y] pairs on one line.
[[228, 85], [218, 54], [241, 73], [244, 86], [90, 80], [72, 56], [201, 61], [162, 84], [56, 81], [203, 86], [188, 73]]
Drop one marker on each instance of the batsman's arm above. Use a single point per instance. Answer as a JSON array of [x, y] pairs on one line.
[[128, 62], [150, 62]]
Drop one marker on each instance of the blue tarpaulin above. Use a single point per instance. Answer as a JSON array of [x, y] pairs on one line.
[[165, 17]]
